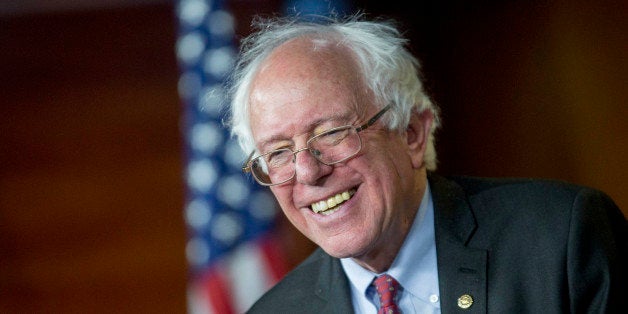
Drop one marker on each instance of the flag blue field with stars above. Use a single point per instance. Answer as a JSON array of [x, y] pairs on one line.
[[231, 252]]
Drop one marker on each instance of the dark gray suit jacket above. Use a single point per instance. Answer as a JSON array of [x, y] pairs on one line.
[[514, 246]]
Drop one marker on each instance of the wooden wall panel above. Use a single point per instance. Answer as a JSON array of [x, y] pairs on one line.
[[526, 88], [91, 188]]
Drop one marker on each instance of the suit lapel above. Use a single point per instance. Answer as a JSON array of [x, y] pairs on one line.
[[333, 288], [461, 269]]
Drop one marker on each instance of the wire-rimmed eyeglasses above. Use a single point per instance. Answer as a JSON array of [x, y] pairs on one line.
[[329, 147]]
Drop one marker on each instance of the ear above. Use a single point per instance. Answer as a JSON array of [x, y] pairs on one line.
[[417, 134]]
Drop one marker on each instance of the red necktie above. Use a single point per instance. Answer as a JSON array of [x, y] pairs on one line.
[[387, 288]]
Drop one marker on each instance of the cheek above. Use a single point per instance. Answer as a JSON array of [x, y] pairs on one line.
[[386, 159], [283, 196], [387, 168]]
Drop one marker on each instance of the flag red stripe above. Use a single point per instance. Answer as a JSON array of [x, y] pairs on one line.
[[273, 257], [218, 292]]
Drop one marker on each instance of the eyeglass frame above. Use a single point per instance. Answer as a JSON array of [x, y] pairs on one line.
[[246, 167]]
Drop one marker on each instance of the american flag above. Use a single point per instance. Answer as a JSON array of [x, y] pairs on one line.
[[232, 252]]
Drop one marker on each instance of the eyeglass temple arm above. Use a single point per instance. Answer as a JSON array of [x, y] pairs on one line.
[[246, 168], [373, 119]]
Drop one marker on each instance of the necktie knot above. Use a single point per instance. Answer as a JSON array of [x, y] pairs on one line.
[[387, 288]]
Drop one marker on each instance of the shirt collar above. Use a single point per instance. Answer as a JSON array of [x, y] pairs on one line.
[[416, 261]]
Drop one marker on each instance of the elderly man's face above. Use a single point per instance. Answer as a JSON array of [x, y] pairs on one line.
[[301, 92]]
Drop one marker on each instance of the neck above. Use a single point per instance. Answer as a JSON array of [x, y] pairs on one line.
[[383, 253], [379, 259]]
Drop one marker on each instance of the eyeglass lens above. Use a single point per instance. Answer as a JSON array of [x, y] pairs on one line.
[[329, 147]]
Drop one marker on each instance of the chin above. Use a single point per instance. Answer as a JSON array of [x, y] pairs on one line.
[[344, 248]]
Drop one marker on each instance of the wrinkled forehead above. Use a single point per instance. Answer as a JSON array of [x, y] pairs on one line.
[[303, 80], [310, 56], [307, 62]]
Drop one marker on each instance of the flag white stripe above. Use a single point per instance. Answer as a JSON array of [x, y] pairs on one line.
[[248, 275], [198, 303]]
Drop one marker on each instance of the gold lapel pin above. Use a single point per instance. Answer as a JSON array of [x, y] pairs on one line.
[[465, 301]]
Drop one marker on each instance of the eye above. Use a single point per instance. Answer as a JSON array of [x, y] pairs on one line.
[[278, 157], [317, 153], [333, 137]]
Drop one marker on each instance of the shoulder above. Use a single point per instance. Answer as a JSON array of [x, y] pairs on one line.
[[529, 187], [524, 193], [544, 207], [574, 232], [295, 292]]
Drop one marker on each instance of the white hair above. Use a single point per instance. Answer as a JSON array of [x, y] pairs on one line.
[[388, 68]]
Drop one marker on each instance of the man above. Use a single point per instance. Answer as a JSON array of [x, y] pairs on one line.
[[340, 128]]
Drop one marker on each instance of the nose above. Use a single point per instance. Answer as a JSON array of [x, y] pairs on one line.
[[308, 169]]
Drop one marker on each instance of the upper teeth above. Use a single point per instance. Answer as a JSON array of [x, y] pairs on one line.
[[332, 202]]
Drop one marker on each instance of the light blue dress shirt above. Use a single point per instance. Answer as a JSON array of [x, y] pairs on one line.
[[415, 269]]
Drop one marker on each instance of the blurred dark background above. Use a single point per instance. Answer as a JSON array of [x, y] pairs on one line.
[[91, 163]]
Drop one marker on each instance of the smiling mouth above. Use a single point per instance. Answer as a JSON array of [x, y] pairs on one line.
[[331, 205]]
